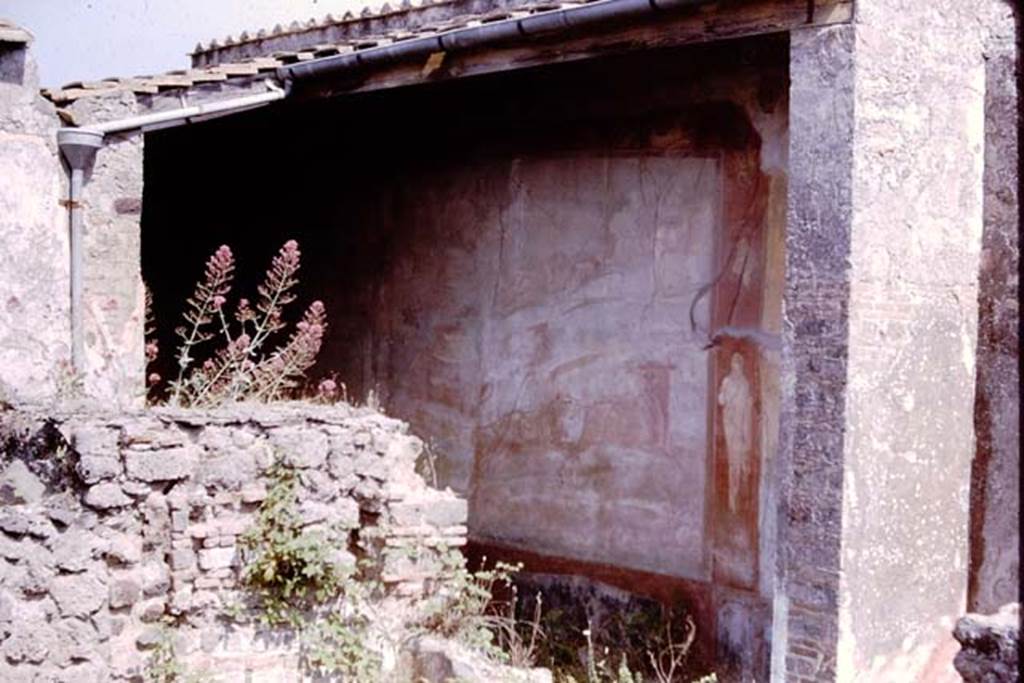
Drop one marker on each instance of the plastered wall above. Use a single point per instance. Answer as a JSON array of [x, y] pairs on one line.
[[569, 282], [35, 346]]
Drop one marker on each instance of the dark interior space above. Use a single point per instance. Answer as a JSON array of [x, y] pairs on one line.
[[511, 263], [326, 172]]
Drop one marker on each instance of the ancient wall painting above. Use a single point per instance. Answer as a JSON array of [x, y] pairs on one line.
[[735, 405]]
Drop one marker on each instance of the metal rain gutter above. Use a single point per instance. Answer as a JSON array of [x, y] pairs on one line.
[[79, 146], [463, 39]]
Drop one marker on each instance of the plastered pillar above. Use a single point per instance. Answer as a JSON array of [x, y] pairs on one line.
[[880, 333], [114, 296]]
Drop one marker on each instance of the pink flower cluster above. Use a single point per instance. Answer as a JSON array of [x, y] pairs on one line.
[[242, 369], [328, 389]]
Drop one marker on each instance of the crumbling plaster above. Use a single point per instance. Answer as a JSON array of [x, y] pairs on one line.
[[995, 485], [887, 221], [883, 244], [34, 281], [114, 296], [518, 286]]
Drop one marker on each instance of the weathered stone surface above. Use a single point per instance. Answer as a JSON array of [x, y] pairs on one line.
[[106, 496], [124, 548], [73, 640], [18, 522], [95, 441], [437, 661], [228, 468], [18, 485], [78, 595], [124, 592], [300, 448], [93, 468], [26, 645], [92, 588], [990, 646], [216, 558], [151, 610], [149, 638], [879, 336], [438, 512], [166, 464], [34, 266], [995, 487], [156, 579], [75, 550], [182, 559]]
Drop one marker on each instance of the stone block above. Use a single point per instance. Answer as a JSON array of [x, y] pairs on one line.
[[136, 489], [25, 645], [167, 464], [440, 512], [153, 434], [216, 558], [301, 448], [341, 464], [201, 530], [156, 579], [433, 660], [990, 646], [18, 522], [179, 520], [92, 469], [233, 525], [182, 559], [342, 445], [362, 438], [149, 638], [95, 441], [61, 510], [229, 468], [78, 595], [106, 496], [18, 485], [151, 610], [124, 592], [254, 493], [75, 550], [369, 464], [124, 548]]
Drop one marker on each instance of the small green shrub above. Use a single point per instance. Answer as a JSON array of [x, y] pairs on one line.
[[294, 582], [287, 570], [462, 606], [163, 665]]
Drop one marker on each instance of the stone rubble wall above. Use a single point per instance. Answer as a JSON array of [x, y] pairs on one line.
[[990, 646], [113, 524]]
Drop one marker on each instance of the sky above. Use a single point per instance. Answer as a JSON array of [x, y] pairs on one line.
[[93, 39]]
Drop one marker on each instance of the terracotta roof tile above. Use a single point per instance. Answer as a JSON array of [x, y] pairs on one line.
[[254, 53]]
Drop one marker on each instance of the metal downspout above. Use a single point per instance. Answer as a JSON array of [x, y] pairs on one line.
[[78, 146]]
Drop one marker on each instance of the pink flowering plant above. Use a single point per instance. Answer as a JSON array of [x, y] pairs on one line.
[[245, 365]]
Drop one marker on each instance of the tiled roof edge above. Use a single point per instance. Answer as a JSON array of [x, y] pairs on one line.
[[330, 30], [12, 33]]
